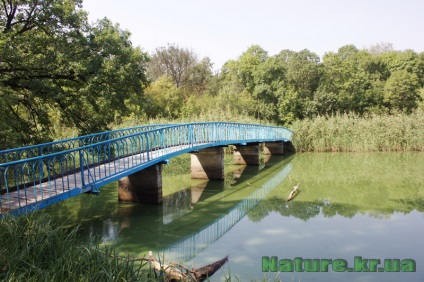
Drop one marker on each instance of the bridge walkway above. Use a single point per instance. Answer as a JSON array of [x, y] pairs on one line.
[[100, 175]]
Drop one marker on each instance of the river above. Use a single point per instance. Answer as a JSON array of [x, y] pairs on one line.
[[363, 212]]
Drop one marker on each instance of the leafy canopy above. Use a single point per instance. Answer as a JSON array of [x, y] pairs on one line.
[[55, 67]]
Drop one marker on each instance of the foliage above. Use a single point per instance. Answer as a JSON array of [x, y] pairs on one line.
[[292, 86], [56, 68], [401, 91], [34, 248], [351, 132], [164, 99], [181, 65]]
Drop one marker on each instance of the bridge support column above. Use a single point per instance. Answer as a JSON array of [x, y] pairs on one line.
[[208, 164], [274, 148], [247, 154], [144, 186]]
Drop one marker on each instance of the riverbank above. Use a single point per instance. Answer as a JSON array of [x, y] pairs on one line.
[[351, 133], [34, 248]]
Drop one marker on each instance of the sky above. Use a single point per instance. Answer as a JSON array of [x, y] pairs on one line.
[[223, 29]]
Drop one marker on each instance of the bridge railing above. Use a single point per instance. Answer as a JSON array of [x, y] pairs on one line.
[[89, 167], [189, 247], [71, 143]]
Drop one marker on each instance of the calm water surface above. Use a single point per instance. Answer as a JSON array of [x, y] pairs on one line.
[[369, 205]]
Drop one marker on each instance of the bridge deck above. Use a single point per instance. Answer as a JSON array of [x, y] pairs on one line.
[[104, 173]]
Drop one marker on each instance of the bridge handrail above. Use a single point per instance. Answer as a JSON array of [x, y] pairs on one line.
[[46, 156], [31, 151], [123, 154]]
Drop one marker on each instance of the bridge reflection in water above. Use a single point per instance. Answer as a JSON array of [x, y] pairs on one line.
[[181, 229], [188, 247]]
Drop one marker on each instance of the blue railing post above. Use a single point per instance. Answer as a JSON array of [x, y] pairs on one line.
[[147, 147], [190, 135], [81, 155]]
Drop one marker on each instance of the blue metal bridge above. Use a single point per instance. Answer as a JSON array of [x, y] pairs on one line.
[[34, 177]]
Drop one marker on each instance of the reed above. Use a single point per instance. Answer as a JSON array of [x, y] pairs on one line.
[[352, 133], [33, 248]]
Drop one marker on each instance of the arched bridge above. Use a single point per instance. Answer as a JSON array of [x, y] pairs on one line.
[[36, 176]]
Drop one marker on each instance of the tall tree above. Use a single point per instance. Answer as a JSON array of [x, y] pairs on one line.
[[347, 51], [173, 61], [200, 77], [247, 64], [402, 91], [381, 48], [344, 87], [269, 81], [303, 72], [54, 64], [405, 60], [164, 99]]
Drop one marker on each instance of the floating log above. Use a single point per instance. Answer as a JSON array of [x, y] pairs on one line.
[[293, 193], [174, 273], [196, 275], [207, 271]]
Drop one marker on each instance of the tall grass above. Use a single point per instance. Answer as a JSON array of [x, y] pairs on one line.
[[33, 248], [349, 132]]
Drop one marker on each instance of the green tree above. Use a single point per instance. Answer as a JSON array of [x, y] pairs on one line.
[[402, 91], [247, 64], [303, 72], [405, 60], [164, 98], [245, 83], [344, 87], [201, 78], [54, 64], [345, 52], [269, 80], [291, 106]]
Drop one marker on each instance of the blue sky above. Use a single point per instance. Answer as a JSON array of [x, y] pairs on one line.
[[224, 29]]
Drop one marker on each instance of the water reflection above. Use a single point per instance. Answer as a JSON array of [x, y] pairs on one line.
[[347, 184], [192, 219], [188, 247], [349, 204]]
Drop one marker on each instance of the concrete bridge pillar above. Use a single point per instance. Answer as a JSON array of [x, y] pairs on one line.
[[144, 186], [247, 154], [208, 164], [274, 148]]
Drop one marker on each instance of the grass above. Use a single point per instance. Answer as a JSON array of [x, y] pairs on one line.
[[351, 133], [33, 248]]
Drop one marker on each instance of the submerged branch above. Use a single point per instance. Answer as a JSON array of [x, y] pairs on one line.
[[293, 193]]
